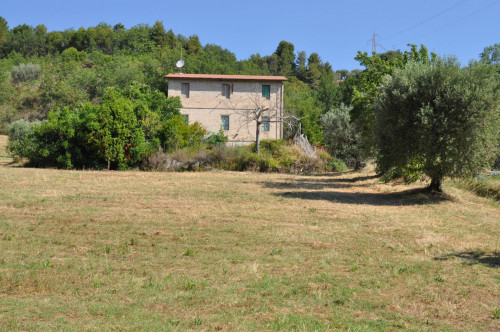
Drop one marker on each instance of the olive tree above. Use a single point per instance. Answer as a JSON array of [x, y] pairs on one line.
[[341, 136], [438, 119]]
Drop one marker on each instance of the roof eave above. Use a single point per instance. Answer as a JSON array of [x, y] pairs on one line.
[[227, 78]]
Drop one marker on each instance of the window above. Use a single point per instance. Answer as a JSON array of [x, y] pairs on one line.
[[266, 91], [226, 90], [224, 122], [185, 89], [265, 123], [186, 118]]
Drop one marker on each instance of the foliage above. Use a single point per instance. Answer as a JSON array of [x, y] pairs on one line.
[[129, 125], [78, 66], [342, 138], [217, 138], [328, 93], [286, 58], [275, 156], [74, 67], [364, 86], [19, 144], [486, 187], [25, 72], [176, 134], [4, 29], [438, 116], [299, 101], [336, 165], [269, 146], [491, 54]]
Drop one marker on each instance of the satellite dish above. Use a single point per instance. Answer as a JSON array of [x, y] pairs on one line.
[[179, 65]]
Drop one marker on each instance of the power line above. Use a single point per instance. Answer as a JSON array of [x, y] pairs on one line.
[[457, 21], [427, 20], [405, 11]]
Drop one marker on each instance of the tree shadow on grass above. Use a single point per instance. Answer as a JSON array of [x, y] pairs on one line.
[[311, 182], [401, 198], [474, 257], [309, 188]]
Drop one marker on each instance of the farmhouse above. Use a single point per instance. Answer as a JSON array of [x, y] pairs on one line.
[[229, 102]]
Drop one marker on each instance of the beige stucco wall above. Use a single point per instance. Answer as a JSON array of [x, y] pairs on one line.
[[240, 128], [206, 105]]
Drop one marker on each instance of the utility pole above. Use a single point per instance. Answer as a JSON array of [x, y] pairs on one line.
[[374, 43]]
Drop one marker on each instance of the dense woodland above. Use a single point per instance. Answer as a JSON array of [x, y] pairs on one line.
[[48, 75]]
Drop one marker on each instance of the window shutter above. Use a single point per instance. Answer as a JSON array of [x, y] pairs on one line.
[[266, 91]]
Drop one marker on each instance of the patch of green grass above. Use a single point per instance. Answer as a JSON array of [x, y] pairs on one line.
[[486, 187], [496, 314]]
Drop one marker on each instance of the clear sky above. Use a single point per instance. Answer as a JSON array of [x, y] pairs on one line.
[[336, 29]]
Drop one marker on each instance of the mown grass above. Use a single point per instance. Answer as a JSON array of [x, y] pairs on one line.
[[242, 251], [486, 187]]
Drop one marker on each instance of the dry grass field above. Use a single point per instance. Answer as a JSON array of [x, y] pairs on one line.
[[84, 250]]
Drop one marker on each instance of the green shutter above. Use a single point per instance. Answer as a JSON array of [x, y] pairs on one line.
[[266, 91]]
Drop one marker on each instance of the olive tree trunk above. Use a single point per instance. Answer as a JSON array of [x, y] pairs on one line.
[[436, 184]]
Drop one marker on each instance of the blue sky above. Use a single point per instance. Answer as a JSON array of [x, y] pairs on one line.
[[336, 29]]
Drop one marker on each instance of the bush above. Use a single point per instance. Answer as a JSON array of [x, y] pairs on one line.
[[323, 155], [342, 138], [118, 134], [177, 134], [186, 159], [336, 165], [286, 159], [269, 145], [25, 72], [72, 54], [157, 161], [19, 144], [216, 138]]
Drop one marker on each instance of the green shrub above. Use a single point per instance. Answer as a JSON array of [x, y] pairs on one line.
[[341, 136], [25, 72], [118, 134], [72, 54], [217, 138], [177, 134], [336, 165], [239, 159], [267, 164], [287, 159], [19, 144], [268, 145]]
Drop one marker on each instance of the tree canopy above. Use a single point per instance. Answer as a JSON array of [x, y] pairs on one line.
[[437, 118]]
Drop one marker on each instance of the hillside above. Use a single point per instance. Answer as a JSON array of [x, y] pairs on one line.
[[41, 70]]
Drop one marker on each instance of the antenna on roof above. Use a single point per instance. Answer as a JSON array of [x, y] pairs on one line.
[[180, 63]]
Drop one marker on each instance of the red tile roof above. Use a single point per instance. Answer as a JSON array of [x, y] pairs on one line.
[[226, 77]]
